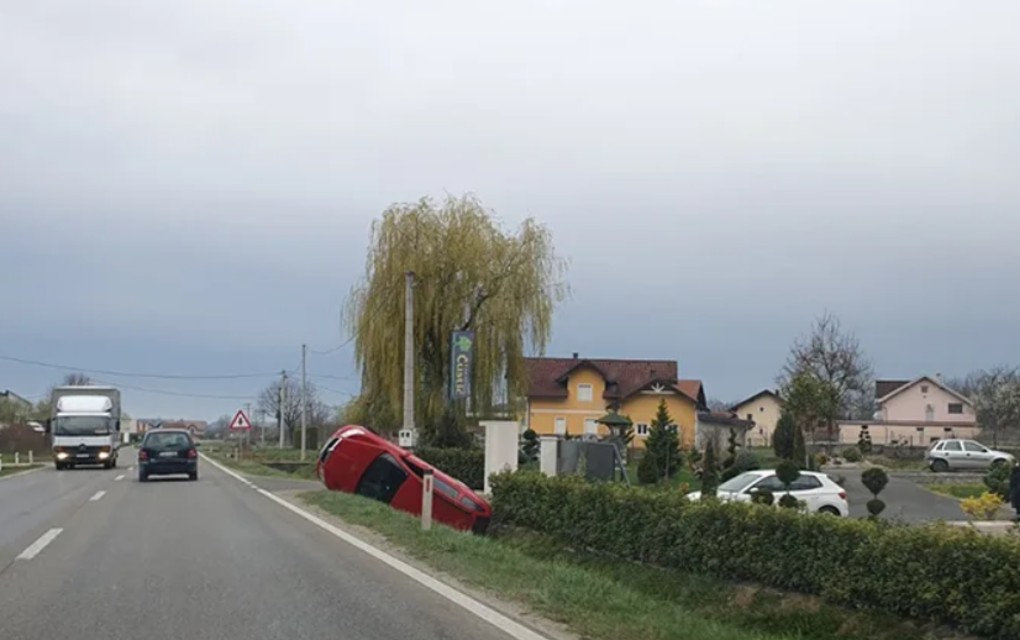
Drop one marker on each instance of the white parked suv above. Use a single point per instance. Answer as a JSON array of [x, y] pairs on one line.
[[954, 454], [816, 490]]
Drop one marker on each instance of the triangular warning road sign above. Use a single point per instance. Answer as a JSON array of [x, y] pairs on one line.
[[240, 422]]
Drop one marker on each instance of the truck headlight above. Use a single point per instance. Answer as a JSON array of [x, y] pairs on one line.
[[61, 455], [103, 455]]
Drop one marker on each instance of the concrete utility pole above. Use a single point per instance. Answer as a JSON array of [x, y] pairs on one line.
[[304, 401], [409, 352], [281, 402]]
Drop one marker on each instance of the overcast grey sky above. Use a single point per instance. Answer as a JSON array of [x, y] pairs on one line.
[[187, 186]]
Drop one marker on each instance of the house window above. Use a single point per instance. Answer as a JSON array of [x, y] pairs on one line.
[[750, 417], [584, 392], [642, 430], [561, 426], [956, 407], [924, 388], [591, 427]]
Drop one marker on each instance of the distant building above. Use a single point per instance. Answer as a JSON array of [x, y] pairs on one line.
[[915, 413], [16, 399], [763, 409]]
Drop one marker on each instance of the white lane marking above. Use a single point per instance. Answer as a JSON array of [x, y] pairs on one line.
[[40, 544], [509, 626], [119, 478], [98, 496], [131, 468]]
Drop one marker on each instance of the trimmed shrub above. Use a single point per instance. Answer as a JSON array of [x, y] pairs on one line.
[[875, 480], [997, 480], [648, 470], [852, 454], [466, 465], [947, 575]]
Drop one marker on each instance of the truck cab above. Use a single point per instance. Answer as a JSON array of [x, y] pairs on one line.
[[85, 426]]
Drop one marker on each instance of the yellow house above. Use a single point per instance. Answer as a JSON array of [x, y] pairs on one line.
[[763, 409], [567, 396]]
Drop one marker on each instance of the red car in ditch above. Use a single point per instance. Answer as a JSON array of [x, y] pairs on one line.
[[357, 460]]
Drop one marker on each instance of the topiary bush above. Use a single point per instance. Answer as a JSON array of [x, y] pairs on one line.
[[942, 574], [466, 465], [744, 461], [648, 471], [875, 480], [852, 454], [763, 496]]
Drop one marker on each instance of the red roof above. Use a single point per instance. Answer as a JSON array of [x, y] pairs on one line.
[[547, 377]]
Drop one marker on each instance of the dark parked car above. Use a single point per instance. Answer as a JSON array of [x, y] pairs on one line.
[[167, 452], [357, 460]]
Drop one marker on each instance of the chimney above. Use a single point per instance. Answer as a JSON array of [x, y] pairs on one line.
[[575, 355], [938, 378]]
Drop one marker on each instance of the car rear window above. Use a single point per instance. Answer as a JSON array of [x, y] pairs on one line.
[[167, 441]]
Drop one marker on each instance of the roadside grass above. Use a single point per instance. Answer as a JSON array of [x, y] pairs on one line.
[[605, 598], [958, 491], [256, 468], [898, 464], [10, 471]]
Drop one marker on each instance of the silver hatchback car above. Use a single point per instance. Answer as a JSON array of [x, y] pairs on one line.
[[962, 455]]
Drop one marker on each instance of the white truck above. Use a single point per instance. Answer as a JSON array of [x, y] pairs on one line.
[[84, 426]]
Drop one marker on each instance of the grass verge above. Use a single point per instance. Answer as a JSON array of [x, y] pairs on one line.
[[598, 597], [958, 491], [10, 471], [246, 466]]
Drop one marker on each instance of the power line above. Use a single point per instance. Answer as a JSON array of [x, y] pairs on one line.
[[178, 393], [162, 376]]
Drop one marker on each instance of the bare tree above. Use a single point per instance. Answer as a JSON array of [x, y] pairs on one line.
[[715, 405], [269, 403], [76, 379], [996, 398], [834, 356]]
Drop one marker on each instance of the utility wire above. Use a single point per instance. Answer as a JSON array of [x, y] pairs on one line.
[[162, 376], [178, 393]]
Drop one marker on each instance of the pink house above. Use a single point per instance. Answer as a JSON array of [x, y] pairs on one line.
[[914, 413]]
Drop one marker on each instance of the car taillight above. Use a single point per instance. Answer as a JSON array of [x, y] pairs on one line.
[[192, 453], [143, 454], [842, 495]]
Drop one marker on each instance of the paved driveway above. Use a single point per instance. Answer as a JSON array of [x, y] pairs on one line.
[[904, 500]]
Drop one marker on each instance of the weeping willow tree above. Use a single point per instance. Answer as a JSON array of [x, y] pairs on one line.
[[470, 274]]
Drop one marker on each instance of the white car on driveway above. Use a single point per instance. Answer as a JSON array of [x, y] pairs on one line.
[[817, 490]]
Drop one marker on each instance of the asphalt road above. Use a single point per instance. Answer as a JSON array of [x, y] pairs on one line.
[[207, 559], [904, 500]]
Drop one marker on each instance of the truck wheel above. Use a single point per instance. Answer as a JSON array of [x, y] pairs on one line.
[[113, 463], [59, 465]]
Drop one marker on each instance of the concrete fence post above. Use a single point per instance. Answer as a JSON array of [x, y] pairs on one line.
[[31, 457], [17, 458]]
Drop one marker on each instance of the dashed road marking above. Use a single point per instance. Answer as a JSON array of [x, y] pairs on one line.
[[119, 478], [98, 496], [36, 547]]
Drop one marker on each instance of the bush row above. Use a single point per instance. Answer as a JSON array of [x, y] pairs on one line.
[[939, 573], [466, 465]]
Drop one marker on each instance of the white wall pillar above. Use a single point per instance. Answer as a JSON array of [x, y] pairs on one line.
[[501, 447], [548, 454]]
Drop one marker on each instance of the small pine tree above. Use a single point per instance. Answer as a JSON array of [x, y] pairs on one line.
[[709, 472], [663, 443], [648, 471], [783, 438], [799, 449]]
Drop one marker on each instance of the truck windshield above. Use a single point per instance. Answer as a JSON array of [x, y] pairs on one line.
[[82, 426]]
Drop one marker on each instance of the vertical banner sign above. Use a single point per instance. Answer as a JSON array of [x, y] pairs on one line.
[[461, 359]]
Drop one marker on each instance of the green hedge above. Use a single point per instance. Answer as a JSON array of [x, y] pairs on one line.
[[938, 573], [466, 465]]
